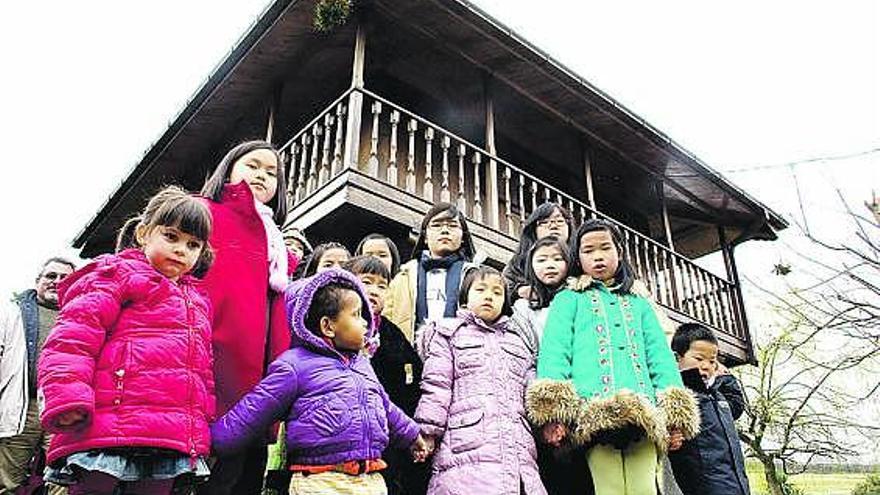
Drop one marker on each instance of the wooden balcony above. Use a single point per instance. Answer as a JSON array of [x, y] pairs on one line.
[[365, 150]]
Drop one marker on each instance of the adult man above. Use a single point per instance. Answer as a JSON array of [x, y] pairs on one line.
[[25, 323]]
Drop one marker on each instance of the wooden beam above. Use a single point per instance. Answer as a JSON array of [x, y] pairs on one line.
[[667, 226], [727, 251], [492, 199], [588, 177], [274, 105], [355, 100]]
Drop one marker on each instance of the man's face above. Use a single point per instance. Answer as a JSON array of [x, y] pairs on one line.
[[47, 282]]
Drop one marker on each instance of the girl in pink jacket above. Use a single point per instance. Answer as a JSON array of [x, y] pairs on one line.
[[476, 370], [126, 374]]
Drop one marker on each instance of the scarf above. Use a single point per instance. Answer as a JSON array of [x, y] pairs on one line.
[[275, 247], [453, 265]]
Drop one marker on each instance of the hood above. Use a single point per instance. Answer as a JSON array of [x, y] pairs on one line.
[[298, 298]]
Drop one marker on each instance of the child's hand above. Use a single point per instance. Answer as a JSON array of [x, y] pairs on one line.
[[524, 292], [554, 433], [422, 448], [70, 418], [676, 439]]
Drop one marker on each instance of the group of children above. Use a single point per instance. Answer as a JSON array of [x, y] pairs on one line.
[[439, 375]]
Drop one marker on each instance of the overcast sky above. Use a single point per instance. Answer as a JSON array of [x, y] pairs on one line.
[[746, 86]]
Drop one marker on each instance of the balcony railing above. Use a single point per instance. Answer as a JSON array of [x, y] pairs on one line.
[[415, 155]]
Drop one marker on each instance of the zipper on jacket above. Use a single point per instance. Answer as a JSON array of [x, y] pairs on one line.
[[189, 363]]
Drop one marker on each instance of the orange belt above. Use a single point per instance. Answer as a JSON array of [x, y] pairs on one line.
[[353, 468]]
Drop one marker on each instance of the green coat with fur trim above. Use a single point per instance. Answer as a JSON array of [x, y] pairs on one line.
[[604, 363], [605, 341]]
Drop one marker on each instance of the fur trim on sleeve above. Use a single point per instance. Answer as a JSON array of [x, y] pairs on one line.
[[680, 410], [549, 401], [620, 410]]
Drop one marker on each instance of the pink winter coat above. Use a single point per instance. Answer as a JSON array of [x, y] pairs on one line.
[[132, 351], [249, 318], [473, 393]]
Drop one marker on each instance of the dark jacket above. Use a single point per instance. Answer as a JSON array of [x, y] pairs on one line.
[[712, 463]]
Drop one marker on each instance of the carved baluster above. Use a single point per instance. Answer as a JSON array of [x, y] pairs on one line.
[[301, 190], [411, 128], [373, 162], [462, 202], [291, 172], [444, 183], [428, 188], [337, 145], [316, 151], [583, 214], [546, 194], [324, 175], [508, 204], [478, 202], [534, 195], [392, 149], [521, 186]]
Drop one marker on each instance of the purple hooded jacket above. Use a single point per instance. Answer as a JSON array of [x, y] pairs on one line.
[[336, 409]]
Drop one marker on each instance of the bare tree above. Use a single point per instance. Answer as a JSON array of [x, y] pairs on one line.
[[818, 364]]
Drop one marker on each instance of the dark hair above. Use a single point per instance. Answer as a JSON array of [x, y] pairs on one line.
[[517, 268], [467, 243], [392, 248], [624, 276], [174, 207], [56, 259], [125, 237], [327, 301], [213, 188], [541, 294], [479, 273], [315, 257], [367, 265], [688, 333]]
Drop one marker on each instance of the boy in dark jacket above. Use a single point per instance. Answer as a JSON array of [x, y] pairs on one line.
[[399, 369], [712, 462]]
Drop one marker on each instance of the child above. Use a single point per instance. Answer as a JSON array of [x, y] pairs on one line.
[[246, 283], [338, 417], [473, 391], [548, 263], [326, 256], [711, 463], [126, 373], [608, 379], [296, 242], [547, 219], [399, 370], [427, 287], [383, 248]]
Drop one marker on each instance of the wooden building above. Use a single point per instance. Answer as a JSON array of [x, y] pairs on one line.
[[417, 101]]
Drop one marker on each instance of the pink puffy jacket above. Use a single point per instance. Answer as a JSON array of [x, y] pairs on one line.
[[132, 351]]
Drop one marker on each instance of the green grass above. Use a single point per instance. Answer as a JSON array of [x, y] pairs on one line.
[[810, 483]]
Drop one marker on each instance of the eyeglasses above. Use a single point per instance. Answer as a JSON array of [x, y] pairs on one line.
[[55, 276], [557, 221], [444, 224]]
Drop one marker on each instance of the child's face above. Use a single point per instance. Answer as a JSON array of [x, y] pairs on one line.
[[376, 287], [555, 224], [598, 255], [443, 235], [485, 298], [333, 257], [348, 329], [169, 250], [259, 168], [379, 249], [549, 265], [295, 247], [702, 355]]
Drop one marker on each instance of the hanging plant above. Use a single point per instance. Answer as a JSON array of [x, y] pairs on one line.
[[330, 14]]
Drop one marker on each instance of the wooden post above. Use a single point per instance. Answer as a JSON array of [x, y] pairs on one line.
[[491, 202], [588, 176], [740, 307], [664, 211], [355, 100], [274, 103]]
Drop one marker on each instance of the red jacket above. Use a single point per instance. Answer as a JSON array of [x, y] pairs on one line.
[[238, 285], [130, 349]]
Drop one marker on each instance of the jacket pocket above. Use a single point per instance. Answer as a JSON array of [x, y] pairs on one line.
[[465, 430], [469, 353], [519, 359], [328, 417]]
